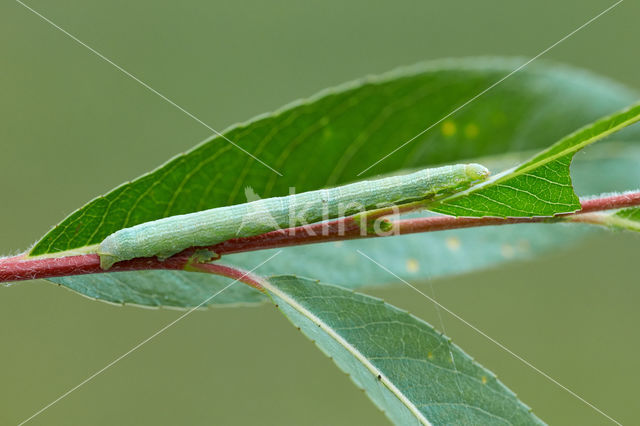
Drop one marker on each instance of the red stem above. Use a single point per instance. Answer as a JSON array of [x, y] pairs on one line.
[[20, 268], [617, 201]]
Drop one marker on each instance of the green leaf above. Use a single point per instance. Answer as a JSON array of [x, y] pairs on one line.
[[541, 186], [178, 289], [412, 372], [350, 127], [631, 218]]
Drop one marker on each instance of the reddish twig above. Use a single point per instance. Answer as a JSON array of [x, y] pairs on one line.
[[618, 201], [19, 268]]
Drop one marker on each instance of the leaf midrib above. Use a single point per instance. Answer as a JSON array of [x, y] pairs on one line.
[[351, 349]]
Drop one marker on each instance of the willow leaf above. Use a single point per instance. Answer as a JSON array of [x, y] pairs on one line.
[[350, 127], [412, 372], [541, 186]]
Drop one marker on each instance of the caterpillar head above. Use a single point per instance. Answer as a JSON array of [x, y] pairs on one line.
[[476, 171]]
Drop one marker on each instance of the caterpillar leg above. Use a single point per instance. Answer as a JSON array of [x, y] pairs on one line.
[[106, 251], [204, 256], [107, 261]]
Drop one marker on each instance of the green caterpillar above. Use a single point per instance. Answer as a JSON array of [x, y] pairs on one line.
[[168, 236]]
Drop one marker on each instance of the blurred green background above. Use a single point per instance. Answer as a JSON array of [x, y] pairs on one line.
[[72, 127]]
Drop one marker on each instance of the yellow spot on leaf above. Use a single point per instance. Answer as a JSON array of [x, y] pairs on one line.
[[471, 131], [484, 380], [507, 251], [430, 355], [453, 243], [412, 265], [448, 128]]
